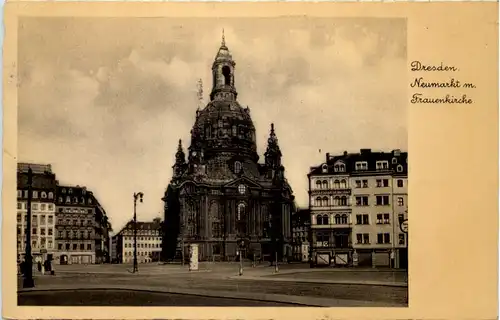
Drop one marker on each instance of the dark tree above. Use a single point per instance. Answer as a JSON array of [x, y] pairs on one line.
[[171, 224]]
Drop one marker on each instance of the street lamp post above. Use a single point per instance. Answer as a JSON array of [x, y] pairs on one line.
[[28, 281], [139, 196]]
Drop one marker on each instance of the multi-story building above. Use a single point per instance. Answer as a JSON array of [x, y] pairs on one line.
[[82, 227], [359, 215], [42, 211], [149, 240], [301, 223]]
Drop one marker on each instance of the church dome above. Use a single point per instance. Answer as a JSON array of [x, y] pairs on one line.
[[223, 125]]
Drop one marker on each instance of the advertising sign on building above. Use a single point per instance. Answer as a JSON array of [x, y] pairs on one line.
[[193, 257]]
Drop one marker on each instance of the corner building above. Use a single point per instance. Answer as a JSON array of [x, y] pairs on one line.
[[357, 202], [82, 227], [42, 211], [226, 197]]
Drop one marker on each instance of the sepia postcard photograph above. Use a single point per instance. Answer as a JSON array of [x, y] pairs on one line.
[[229, 160]]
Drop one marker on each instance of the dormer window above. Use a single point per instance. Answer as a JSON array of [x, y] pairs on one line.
[[43, 195], [399, 168], [361, 165], [70, 191], [324, 168], [382, 165], [237, 167], [63, 191], [35, 194], [339, 167], [394, 160]]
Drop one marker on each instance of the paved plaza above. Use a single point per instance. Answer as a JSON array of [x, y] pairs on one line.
[[217, 284]]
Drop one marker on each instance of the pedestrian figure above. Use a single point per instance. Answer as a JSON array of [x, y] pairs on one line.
[[39, 265]]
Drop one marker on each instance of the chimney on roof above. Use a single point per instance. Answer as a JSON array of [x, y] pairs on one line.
[[366, 151], [396, 152], [345, 153], [327, 156]]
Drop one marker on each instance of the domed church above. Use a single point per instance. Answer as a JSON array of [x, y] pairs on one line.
[[222, 198]]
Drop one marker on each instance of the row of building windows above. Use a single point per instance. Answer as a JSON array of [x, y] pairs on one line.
[[382, 218], [44, 244], [380, 183], [382, 238], [338, 219], [143, 245], [34, 219], [129, 234], [142, 238], [363, 166], [36, 206], [363, 183], [141, 253], [381, 200], [74, 246], [34, 231], [337, 201], [342, 184], [68, 200], [337, 184], [35, 194], [70, 191], [75, 222], [82, 234]]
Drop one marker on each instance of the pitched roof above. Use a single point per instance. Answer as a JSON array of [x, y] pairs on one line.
[[394, 158]]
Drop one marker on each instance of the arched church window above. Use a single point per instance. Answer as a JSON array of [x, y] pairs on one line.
[[237, 167], [226, 72], [240, 212]]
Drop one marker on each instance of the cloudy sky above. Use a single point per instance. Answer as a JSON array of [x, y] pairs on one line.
[[105, 100]]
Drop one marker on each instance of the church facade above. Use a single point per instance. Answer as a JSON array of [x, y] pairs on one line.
[[228, 202]]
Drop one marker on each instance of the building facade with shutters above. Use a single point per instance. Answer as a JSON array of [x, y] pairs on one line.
[[42, 211], [357, 202], [226, 201], [149, 242]]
